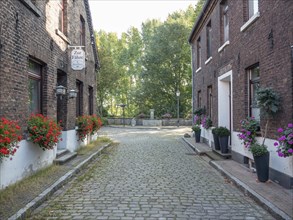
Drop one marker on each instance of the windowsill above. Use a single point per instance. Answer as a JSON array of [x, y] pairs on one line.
[[31, 7], [60, 34], [223, 46], [208, 60], [250, 21], [199, 69]]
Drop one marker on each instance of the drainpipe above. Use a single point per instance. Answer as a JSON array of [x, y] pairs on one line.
[[292, 75]]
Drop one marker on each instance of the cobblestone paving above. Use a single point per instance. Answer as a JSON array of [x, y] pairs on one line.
[[150, 175]]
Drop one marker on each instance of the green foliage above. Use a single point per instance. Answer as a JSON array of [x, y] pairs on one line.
[[268, 101], [258, 149], [222, 131], [199, 111], [196, 128], [145, 69]]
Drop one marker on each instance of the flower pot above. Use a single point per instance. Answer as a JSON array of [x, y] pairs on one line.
[[197, 136], [224, 144], [262, 167], [216, 142]]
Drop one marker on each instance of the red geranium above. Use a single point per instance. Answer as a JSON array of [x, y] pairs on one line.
[[9, 137], [44, 131]]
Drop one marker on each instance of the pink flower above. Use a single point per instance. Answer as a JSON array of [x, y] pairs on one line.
[[276, 144], [290, 125], [280, 130], [290, 151], [282, 138]]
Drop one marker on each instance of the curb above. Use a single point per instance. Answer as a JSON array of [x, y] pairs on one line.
[[270, 207], [21, 214]]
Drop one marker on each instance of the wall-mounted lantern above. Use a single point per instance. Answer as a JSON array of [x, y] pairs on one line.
[[61, 91], [72, 94]]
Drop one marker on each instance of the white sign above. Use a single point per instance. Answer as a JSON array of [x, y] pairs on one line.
[[77, 59]]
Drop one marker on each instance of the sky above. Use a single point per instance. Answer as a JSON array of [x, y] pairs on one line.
[[119, 15]]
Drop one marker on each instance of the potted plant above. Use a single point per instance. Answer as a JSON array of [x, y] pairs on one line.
[[223, 134], [268, 101], [216, 139], [261, 157], [197, 130]]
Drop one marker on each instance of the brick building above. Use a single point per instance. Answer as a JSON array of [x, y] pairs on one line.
[[238, 46], [36, 42]]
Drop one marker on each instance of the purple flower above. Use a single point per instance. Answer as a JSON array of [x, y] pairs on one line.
[[280, 154], [290, 125], [282, 138], [290, 151], [248, 133], [276, 144], [280, 130]]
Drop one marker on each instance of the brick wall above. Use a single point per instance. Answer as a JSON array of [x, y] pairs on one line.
[[24, 34], [254, 45]]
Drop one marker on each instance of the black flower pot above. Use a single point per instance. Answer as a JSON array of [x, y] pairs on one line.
[[224, 144], [262, 167], [216, 142], [197, 136]]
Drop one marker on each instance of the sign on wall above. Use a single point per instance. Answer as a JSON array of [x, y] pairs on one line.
[[77, 59]]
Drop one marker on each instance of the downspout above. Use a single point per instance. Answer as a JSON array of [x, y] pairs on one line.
[[292, 78]]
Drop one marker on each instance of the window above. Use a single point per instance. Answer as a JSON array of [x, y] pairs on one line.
[[91, 100], [253, 73], [199, 99], [224, 22], [34, 87], [61, 15], [209, 40], [79, 98], [198, 53], [252, 8], [210, 100], [82, 31]]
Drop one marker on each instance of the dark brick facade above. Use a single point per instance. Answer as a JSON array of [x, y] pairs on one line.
[[29, 30], [267, 41]]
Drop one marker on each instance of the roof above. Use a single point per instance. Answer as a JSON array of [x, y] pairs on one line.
[[199, 19], [92, 34]]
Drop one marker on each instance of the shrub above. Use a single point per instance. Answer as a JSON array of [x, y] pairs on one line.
[[249, 127], [43, 131], [206, 122], [167, 116], [87, 124], [258, 149], [9, 137], [196, 128], [285, 141], [223, 131]]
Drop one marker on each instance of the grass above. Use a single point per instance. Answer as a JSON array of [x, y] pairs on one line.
[[93, 145], [17, 195]]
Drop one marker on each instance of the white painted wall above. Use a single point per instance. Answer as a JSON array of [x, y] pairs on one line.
[[207, 134], [28, 159], [283, 165]]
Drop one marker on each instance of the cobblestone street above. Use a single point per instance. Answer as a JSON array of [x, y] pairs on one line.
[[150, 174]]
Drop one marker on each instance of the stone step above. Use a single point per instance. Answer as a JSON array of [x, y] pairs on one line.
[[61, 152], [66, 157]]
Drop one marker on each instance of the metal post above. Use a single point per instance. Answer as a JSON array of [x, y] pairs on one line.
[[123, 116], [177, 111]]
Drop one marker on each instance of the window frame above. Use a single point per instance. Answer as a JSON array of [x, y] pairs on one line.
[[37, 77], [61, 15], [91, 100], [198, 53], [224, 19], [79, 98], [82, 31], [251, 85], [209, 39]]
